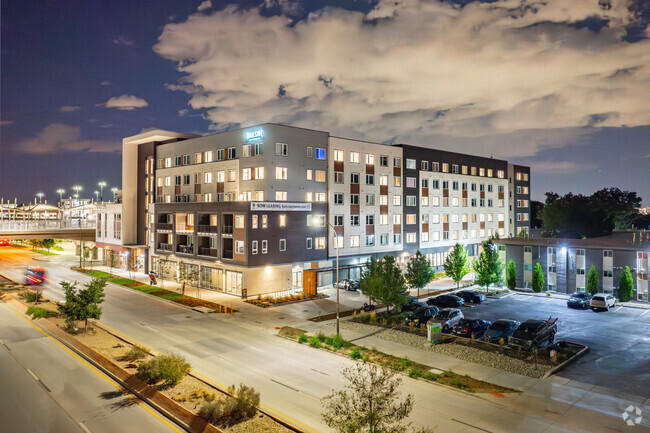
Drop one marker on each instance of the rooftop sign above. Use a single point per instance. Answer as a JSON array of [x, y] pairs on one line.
[[254, 135], [280, 206]]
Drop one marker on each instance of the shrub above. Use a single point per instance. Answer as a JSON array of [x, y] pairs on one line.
[[321, 336], [337, 342], [302, 338], [33, 296], [135, 353], [232, 410], [373, 317], [170, 368], [37, 312], [355, 354], [314, 342], [401, 364], [415, 372]]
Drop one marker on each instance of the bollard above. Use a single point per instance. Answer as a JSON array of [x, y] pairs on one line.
[[231, 309]]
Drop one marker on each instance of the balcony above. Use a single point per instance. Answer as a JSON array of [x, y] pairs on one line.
[[208, 229], [164, 227], [185, 249], [209, 252], [227, 230], [165, 247]]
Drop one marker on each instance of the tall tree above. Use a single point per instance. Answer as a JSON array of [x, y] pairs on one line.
[[82, 304], [48, 244], [371, 280], [593, 283], [488, 266], [511, 275], [621, 207], [536, 208], [418, 271], [538, 278], [457, 265], [369, 403], [393, 292], [625, 285]]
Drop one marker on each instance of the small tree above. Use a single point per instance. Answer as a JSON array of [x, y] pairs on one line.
[[82, 304], [371, 280], [538, 278], [488, 266], [418, 271], [625, 285], [48, 243], [370, 402], [593, 285], [393, 291], [511, 275], [457, 264]]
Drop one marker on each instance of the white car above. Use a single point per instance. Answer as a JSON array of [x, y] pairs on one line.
[[448, 318], [602, 301]]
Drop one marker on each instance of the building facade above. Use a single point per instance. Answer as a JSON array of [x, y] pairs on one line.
[[247, 211]]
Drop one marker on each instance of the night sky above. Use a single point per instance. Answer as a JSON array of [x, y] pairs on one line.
[[562, 86]]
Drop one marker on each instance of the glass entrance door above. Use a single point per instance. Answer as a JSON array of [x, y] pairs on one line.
[[233, 282]]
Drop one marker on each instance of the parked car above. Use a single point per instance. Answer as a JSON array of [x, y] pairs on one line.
[[5, 242], [501, 329], [346, 284], [421, 315], [579, 300], [448, 318], [469, 328], [35, 275], [533, 333], [602, 301], [446, 301], [412, 304], [471, 296]]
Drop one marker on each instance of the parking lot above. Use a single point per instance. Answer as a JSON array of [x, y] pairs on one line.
[[619, 339]]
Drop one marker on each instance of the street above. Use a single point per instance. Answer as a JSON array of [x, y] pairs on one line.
[[619, 339], [292, 378]]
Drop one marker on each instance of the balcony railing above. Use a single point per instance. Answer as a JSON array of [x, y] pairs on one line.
[[164, 226], [227, 254], [208, 229], [165, 247], [210, 252], [186, 249], [227, 230]]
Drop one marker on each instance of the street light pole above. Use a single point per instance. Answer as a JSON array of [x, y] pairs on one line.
[[337, 279], [114, 194], [60, 191], [40, 197], [101, 184]]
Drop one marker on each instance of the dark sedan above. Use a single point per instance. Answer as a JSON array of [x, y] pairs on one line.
[[579, 300], [471, 328], [421, 315], [500, 330], [412, 303], [446, 301], [471, 296]]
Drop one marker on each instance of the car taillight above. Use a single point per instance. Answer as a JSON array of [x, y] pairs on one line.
[[465, 330]]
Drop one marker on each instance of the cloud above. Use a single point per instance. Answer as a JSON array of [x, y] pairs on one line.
[[6, 122], [207, 4], [417, 69], [105, 83], [125, 102], [69, 108], [121, 40], [56, 138], [560, 167]]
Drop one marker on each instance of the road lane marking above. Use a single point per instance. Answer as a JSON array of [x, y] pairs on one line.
[[617, 309], [285, 385], [91, 367], [39, 381], [84, 428], [642, 314], [255, 348], [470, 425], [146, 326], [321, 372]]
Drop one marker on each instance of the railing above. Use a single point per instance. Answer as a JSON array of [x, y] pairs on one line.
[[164, 226], [227, 230], [165, 247], [19, 225], [227, 254], [210, 252], [186, 249], [208, 229]]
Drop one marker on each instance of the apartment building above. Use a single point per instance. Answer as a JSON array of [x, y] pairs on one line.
[[519, 199], [566, 262], [247, 211]]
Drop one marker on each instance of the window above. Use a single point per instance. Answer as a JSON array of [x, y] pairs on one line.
[[489, 172], [454, 201], [178, 161], [397, 238], [354, 220], [424, 165], [435, 218], [338, 220], [239, 247], [320, 243], [254, 221], [410, 164], [281, 196], [454, 186], [265, 221], [258, 149], [370, 220], [411, 218], [254, 247], [259, 172], [246, 150], [221, 154], [338, 198], [425, 218], [445, 201], [397, 181], [608, 253], [321, 197], [435, 236], [309, 243], [463, 169], [354, 241], [232, 153], [411, 238], [445, 236], [354, 198], [282, 220], [281, 149], [265, 245], [354, 178], [281, 173], [320, 153], [425, 183], [445, 184], [383, 161], [383, 180], [338, 177], [500, 174], [580, 252], [320, 176], [310, 151], [410, 182], [454, 168], [177, 180], [232, 175], [490, 202], [370, 199], [397, 200], [283, 244], [397, 219], [246, 174], [383, 220], [354, 157], [309, 197], [489, 187], [425, 201], [370, 159], [435, 184], [207, 177], [383, 239], [383, 200], [370, 179], [370, 240], [411, 200], [310, 174], [221, 176], [435, 201], [435, 166], [338, 155], [445, 167], [397, 162]]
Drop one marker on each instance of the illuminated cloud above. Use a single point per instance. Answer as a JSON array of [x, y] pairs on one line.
[[56, 138], [6, 122], [125, 102], [69, 108], [105, 83], [207, 4], [121, 40], [415, 69]]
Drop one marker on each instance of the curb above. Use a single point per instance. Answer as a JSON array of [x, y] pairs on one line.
[[565, 363]]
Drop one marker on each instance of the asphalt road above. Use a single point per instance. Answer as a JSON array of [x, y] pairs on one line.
[[293, 379], [619, 339], [45, 388]]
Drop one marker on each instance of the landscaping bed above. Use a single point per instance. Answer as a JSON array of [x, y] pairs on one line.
[[156, 291], [403, 365], [270, 301]]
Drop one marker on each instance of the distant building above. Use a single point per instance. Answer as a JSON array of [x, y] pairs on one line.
[[644, 210], [566, 262]]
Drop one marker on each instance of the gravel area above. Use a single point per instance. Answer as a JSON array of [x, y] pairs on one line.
[[471, 354]]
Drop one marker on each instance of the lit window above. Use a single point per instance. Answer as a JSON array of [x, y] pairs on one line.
[[411, 238], [254, 222], [410, 164], [239, 247], [320, 175], [411, 219], [338, 155], [207, 177], [221, 176], [239, 221], [354, 157], [370, 159], [281, 196], [283, 220], [232, 175], [309, 174], [320, 243], [383, 180], [309, 197], [281, 173], [397, 200], [354, 241], [265, 221], [321, 197], [246, 174], [259, 172], [425, 201], [320, 153], [397, 181]]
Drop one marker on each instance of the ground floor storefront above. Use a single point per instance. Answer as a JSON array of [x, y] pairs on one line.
[[129, 258]]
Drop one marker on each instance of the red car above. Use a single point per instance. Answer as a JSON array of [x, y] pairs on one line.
[[5, 241], [35, 276]]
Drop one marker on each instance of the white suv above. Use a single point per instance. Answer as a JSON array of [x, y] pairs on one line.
[[448, 318], [602, 301]]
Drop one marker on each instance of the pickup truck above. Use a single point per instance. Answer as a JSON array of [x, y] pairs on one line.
[[533, 333]]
